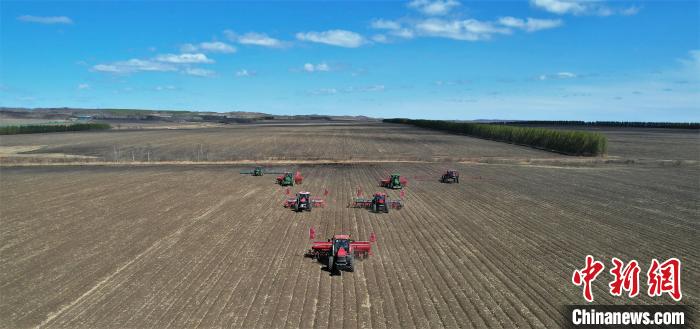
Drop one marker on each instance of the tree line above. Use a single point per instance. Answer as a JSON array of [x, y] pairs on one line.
[[36, 129], [622, 124], [568, 142]]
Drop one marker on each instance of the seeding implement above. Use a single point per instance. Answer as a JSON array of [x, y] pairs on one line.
[[304, 201], [395, 181], [259, 171], [289, 179], [379, 202], [450, 176], [339, 253]]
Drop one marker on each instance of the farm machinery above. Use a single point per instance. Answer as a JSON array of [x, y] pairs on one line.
[[260, 171], [450, 176], [289, 179], [340, 252], [303, 201], [379, 202], [394, 181]]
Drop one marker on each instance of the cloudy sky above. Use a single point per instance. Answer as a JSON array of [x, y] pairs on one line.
[[444, 59]]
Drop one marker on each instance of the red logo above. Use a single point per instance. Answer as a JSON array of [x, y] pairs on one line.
[[626, 278], [665, 278], [587, 275], [662, 278]]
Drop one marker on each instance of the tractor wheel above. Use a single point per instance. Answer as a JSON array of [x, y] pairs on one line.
[[296, 207], [351, 265], [330, 264], [457, 180], [386, 208], [374, 208]]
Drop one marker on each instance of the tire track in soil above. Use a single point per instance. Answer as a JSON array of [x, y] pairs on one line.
[[512, 311], [187, 240], [131, 292], [270, 241], [387, 260], [408, 210], [202, 298], [570, 267], [74, 278], [505, 316], [260, 223], [104, 281]]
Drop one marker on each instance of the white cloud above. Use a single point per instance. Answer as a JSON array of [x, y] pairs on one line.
[[245, 73], [393, 28], [217, 47], [164, 88], [374, 88], [435, 7], [162, 63], [340, 38], [560, 6], [83, 86], [323, 91], [133, 65], [255, 39], [198, 72], [333, 91], [321, 67], [385, 24], [469, 30], [188, 48], [259, 39], [559, 75], [210, 47], [45, 19], [582, 7], [381, 38], [184, 58], [452, 82], [530, 24], [403, 33], [566, 75], [630, 11]]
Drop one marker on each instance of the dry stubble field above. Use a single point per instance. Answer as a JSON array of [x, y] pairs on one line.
[[203, 246]]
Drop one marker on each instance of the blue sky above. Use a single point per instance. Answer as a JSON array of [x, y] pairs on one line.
[[443, 59]]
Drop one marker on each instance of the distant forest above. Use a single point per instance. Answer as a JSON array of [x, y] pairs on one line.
[[622, 124]]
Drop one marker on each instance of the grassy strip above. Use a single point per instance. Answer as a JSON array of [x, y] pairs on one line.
[[568, 142], [621, 124], [37, 129]]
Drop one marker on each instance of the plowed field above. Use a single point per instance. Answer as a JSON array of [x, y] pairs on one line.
[[205, 247]]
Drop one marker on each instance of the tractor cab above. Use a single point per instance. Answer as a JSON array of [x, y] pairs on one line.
[[394, 181], [380, 202], [303, 201], [287, 179], [450, 176], [341, 258], [258, 171]]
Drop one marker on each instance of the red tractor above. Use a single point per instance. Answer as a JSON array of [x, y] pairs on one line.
[[450, 176], [379, 202], [304, 201], [339, 253]]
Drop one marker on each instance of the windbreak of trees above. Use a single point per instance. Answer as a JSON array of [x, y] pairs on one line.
[[624, 124], [568, 142], [36, 129]]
